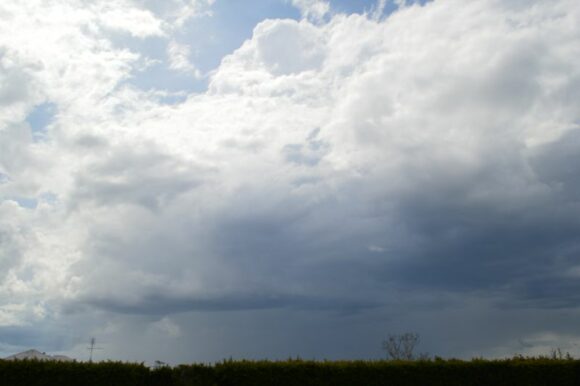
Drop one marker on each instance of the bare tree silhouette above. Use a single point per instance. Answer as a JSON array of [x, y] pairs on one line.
[[402, 346]]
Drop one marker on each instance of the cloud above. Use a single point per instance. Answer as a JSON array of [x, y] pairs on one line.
[[125, 17], [357, 175], [176, 13], [309, 153], [168, 327], [12, 239], [312, 9], [287, 47], [155, 304], [179, 59], [135, 176]]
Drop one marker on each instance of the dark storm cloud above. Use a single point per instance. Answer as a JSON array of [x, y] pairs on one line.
[[45, 338], [557, 165], [519, 244], [163, 304]]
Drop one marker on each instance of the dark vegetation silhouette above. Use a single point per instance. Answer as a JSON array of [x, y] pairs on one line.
[[401, 347], [402, 367], [517, 371]]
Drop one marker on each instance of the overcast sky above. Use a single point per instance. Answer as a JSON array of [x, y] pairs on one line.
[[192, 180]]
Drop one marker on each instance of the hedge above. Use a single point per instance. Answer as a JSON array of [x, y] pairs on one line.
[[512, 372]]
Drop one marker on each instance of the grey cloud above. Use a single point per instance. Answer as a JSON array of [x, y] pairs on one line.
[[162, 304], [511, 85], [15, 234], [145, 177], [556, 164], [309, 153], [10, 251], [45, 338], [550, 290], [517, 242], [234, 249], [21, 162], [14, 84], [90, 142], [15, 153]]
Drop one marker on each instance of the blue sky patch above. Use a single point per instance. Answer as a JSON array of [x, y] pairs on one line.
[[40, 118], [26, 202]]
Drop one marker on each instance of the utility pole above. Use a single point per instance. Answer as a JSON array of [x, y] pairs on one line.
[[92, 348]]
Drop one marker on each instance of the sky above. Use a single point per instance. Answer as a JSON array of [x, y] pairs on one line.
[[193, 180]]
